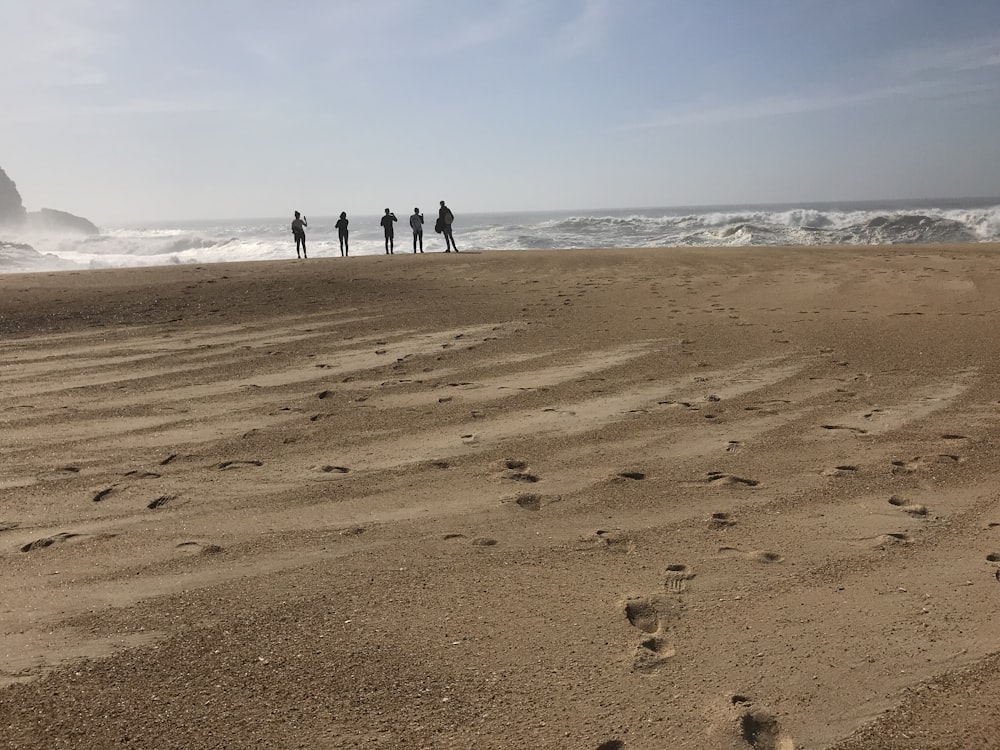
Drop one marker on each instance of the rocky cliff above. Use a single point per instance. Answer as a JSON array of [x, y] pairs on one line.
[[11, 208], [13, 215], [50, 221]]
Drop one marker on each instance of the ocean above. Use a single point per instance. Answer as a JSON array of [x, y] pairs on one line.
[[867, 223]]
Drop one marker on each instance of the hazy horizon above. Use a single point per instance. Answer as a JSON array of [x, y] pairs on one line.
[[883, 203], [250, 109]]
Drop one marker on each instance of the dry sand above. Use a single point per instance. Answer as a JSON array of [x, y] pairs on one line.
[[739, 498]]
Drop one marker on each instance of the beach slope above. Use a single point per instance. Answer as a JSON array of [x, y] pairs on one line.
[[703, 498]]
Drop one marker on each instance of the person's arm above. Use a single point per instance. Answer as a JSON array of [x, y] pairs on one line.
[[305, 221]]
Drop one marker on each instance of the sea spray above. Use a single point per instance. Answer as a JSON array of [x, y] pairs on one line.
[[166, 243]]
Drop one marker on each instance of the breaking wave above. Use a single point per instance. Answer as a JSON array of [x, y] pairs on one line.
[[736, 226]]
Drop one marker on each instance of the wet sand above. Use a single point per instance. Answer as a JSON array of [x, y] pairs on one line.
[[714, 498]]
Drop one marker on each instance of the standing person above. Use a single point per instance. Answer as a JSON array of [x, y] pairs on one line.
[[342, 233], [445, 219], [299, 224], [417, 225], [390, 232]]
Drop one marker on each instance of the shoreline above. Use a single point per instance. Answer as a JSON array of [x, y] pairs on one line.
[[675, 492]]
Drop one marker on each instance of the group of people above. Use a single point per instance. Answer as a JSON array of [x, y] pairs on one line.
[[443, 225]]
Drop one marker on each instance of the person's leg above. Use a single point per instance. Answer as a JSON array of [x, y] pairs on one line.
[[421, 236], [298, 246], [414, 242]]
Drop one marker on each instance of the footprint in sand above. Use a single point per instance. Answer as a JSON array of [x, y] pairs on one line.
[[649, 616], [612, 541], [641, 613], [521, 476], [925, 463], [741, 725], [762, 731], [844, 428], [633, 475], [893, 538], [484, 541], [651, 653], [161, 501], [327, 469], [199, 548], [612, 745], [48, 541], [761, 555], [679, 404], [8, 525], [100, 495], [142, 475], [677, 577], [846, 470], [720, 478], [913, 509], [63, 472], [721, 520], [526, 500], [226, 465]]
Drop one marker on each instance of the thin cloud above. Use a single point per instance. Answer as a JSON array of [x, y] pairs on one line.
[[947, 59], [63, 47], [778, 106], [940, 72], [139, 107], [510, 17], [585, 30]]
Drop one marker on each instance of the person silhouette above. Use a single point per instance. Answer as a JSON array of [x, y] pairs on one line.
[[299, 224], [390, 232], [445, 219], [417, 225], [342, 234]]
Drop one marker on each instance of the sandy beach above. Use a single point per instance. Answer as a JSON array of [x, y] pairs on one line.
[[601, 499]]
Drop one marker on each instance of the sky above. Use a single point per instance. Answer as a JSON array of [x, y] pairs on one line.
[[130, 110]]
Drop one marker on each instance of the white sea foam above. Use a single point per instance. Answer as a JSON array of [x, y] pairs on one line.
[[223, 241]]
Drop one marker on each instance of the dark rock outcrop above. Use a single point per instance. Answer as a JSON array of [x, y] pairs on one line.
[[11, 208], [13, 215], [50, 221]]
